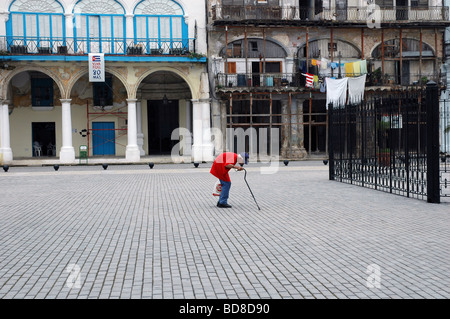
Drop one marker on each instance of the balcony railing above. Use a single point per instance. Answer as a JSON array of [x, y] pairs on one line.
[[108, 46], [361, 14], [288, 80], [268, 80]]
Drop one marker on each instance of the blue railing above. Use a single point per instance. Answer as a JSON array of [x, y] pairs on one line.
[[108, 46]]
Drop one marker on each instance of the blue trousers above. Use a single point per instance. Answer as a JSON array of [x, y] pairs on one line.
[[225, 192]]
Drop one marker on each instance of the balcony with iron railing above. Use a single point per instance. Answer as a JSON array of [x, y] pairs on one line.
[[21, 47], [294, 81], [257, 80], [349, 15]]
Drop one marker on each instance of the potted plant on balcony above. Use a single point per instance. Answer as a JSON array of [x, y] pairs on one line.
[[376, 76], [424, 80]]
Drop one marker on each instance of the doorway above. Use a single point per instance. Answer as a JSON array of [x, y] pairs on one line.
[[103, 138], [163, 118], [43, 139]]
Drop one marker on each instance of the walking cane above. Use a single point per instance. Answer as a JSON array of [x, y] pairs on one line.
[[245, 179]]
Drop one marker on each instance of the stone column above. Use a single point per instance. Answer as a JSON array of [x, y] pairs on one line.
[[132, 151], [187, 149], [197, 131], [140, 135], [208, 147], [67, 153], [297, 150], [284, 151], [6, 155]]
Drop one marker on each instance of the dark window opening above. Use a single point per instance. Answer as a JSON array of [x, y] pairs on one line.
[[42, 91], [103, 94]]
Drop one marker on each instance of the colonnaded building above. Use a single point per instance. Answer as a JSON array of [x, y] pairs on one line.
[[269, 60], [155, 79]]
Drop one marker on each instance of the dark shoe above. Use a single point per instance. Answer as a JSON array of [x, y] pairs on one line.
[[223, 205]]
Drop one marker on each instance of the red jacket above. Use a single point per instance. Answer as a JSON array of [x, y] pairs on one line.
[[218, 168]]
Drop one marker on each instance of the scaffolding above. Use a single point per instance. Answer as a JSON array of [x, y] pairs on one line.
[[123, 130]]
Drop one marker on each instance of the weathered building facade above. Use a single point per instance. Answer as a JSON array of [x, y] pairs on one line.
[[260, 52], [156, 79]]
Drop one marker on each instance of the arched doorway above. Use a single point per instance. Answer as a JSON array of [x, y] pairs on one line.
[[35, 115], [99, 116], [165, 100]]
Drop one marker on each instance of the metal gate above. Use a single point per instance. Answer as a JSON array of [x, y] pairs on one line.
[[445, 148], [390, 144]]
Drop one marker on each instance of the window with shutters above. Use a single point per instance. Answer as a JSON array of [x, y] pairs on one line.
[[35, 26], [161, 26]]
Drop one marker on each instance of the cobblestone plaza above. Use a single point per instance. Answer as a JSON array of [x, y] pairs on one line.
[[134, 232]]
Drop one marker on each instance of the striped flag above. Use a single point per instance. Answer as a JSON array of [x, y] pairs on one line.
[[309, 80]]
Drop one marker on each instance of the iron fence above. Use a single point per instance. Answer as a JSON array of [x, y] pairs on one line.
[[445, 149], [351, 14], [388, 143], [110, 46]]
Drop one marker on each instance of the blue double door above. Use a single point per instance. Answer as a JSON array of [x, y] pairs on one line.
[[103, 138]]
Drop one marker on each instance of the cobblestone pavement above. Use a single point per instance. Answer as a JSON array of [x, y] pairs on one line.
[[132, 232]]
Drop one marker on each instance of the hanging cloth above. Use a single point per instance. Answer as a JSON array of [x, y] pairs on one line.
[[314, 62], [324, 64], [349, 69], [309, 80], [363, 67], [336, 91], [357, 68], [356, 88]]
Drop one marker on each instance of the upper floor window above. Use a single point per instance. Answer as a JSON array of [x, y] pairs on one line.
[[36, 24], [161, 24], [99, 26]]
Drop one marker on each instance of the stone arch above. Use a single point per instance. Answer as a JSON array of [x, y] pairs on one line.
[[7, 80], [377, 45], [194, 94], [101, 6], [36, 6], [83, 71], [161, 2], [268, 39], [336, 39]]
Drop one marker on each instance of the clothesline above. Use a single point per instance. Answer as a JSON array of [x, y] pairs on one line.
[[352, 68]]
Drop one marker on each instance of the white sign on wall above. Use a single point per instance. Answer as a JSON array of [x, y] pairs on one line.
[[96, 67]]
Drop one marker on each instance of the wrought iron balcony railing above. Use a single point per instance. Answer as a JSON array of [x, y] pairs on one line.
[[362, 14], [297, 80], [81, 46], [269, 80]]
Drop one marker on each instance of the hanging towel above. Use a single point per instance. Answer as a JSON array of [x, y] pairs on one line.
[[336, 91], [323, 86], [349, 69], [324, 64], [316, 81], [356, 88], [303, 66], [363, 67], [309, 80], [357, 68]]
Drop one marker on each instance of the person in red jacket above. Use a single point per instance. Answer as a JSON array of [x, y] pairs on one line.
[[220, 168]]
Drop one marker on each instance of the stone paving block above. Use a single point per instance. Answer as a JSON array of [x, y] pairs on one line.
[[136, 233]]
